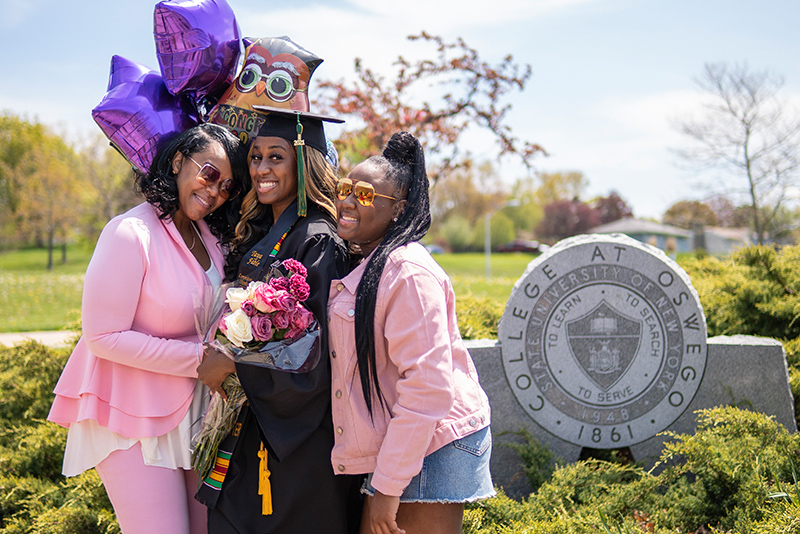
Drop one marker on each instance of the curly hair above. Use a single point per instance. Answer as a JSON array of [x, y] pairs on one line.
[[403, 164], [256, 218], [160, 188]]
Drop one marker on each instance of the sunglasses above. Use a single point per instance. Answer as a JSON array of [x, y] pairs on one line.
[[209, 175], [363, 191]]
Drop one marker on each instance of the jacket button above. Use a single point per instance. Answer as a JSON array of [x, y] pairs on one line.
[[333, 354], [340, 468], [339, 430], [473, 422], [339, 286], [351, 313], [338, 393]]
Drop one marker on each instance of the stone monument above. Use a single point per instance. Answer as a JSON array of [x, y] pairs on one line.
[[603, 341], [603, 345]]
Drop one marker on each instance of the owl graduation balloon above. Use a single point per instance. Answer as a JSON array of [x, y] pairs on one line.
[[138, 111], [197, 45], [276, 73]]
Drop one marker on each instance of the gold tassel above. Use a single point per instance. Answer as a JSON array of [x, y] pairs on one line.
[[264, 485]]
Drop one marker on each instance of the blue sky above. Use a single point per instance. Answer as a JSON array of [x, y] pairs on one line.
[[609, 76]]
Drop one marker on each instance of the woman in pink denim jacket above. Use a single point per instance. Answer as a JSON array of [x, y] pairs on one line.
[[129, 392], [407, 406]]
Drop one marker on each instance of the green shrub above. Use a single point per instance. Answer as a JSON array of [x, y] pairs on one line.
[[35, 449], [754, 292], [537, 459], [28, 374], [478, 317], [76, 506], [733, 458]]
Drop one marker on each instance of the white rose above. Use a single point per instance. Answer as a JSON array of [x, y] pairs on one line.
[[251, 288], [234, 297], [238, 327]]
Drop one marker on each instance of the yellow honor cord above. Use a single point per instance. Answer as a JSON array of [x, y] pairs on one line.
[[264, 485]]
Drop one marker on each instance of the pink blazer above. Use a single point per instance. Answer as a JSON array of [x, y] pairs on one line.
[[134, 369]]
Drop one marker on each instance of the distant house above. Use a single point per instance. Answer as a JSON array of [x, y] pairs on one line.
[[716, 240], [668, 238]]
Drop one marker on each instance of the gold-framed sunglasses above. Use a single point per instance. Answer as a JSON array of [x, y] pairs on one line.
[[208, 175], [363, 191]]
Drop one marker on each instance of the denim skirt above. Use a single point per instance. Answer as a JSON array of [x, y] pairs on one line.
[[456, 473]]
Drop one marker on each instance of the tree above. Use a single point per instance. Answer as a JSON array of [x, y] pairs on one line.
[[17, 140], [457, 232], [562, 185], [611, 208], [111, 190], [471, 93], [749, 131], [690, 213], [530, 211], [565, 218], [49, 196], [469, 190]]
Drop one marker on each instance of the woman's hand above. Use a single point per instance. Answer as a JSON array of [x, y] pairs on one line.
[[215, 369], [383, 514]]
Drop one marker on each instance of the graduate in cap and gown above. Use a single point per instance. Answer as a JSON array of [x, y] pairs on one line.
[[278, 476]]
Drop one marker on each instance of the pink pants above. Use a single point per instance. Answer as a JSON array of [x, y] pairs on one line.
[[150, 499]]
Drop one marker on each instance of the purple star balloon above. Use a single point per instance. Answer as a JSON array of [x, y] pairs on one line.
[[197, 44], [138, 111]]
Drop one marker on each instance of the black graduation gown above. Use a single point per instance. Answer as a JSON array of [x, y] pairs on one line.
[[291, 413]]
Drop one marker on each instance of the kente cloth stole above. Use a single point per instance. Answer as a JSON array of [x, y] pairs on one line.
[[256, 263], [211, 486]]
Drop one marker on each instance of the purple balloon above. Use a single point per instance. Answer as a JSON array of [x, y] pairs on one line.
[[197, 44], [138, 111]]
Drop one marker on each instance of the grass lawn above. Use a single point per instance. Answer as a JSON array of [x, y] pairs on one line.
[[33, 298], [468, 273]]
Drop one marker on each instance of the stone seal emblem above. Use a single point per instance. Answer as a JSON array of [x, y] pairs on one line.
[[603, 341]]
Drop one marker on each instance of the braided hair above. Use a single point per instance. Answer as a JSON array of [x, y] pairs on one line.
[[403, 162]]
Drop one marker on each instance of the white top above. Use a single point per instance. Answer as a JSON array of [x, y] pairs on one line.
[[88, 443]]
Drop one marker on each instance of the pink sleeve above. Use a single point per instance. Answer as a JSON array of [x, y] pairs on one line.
[[111, 294], [418, 343]]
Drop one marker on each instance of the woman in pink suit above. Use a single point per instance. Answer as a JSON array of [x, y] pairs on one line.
[[129, 393]]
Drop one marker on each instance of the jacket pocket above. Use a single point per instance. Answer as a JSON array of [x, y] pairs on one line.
[[476, 443]]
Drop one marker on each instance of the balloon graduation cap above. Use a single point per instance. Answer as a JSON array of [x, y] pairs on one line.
[[209, 73]]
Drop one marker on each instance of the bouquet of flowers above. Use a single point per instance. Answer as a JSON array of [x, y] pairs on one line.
[[265, 323], [262, 324]]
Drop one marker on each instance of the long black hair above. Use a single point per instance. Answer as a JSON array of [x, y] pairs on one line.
[[403, 162], [160, 187]]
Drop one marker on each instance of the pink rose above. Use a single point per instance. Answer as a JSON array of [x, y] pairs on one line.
[[264, 299], [299, 287], [262, 327], [295, 267], [302, 318], [285, 301], [294, 332], [222, 326], [248, 308], [281, 320]]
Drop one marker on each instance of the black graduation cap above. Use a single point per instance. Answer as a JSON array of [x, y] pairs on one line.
[[298, 127]]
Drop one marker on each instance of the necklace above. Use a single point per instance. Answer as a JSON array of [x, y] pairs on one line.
[[194, 237]]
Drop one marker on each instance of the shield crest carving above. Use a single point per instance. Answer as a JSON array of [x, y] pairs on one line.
[[604, 342]]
